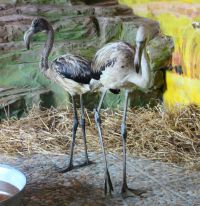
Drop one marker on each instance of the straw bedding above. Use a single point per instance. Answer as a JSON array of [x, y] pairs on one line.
[[153, 133]]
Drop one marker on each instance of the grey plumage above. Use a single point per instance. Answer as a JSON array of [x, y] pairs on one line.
[[115, 62], [73, 67], [71, 72], [109, 54]]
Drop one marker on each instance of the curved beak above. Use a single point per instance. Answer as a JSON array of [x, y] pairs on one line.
[[141, 38], [138, 55], [27, 37]]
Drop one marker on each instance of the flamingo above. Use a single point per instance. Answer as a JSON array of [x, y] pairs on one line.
[[118, 64], [71, 72]]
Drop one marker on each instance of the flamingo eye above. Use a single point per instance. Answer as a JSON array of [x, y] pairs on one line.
[[36, 23]]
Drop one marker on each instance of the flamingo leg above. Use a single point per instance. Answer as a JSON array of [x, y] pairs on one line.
[[74, 129], [82, 122], [108, 182], [124, 136], [126, 191]]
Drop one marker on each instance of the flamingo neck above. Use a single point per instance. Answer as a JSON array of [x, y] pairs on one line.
[[143, 79], [47, 49]]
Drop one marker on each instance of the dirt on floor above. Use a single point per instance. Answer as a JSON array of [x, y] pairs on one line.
[[164, 184], [170, 141]]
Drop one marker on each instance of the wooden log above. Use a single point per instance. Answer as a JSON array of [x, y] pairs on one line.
[[15, 101]]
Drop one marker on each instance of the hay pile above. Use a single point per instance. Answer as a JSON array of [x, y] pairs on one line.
[[168, 136]]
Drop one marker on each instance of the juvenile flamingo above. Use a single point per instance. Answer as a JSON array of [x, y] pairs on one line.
[[118, 64], [71, 72]]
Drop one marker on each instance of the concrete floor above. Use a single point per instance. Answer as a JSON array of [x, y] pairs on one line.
[[165, 184]]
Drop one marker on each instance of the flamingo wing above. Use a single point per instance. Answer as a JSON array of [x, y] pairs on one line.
[[73, 67]]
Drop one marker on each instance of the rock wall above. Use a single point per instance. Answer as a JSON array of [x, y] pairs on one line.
[[81, 27]]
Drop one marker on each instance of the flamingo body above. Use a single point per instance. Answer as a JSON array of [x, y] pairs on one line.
[[114, 62], [72, 73]]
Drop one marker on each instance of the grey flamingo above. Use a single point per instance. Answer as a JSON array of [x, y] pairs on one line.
[[71, 72], [118, 64]]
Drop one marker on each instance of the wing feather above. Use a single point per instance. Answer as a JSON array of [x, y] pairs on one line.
[[73, 67], [109, 54]]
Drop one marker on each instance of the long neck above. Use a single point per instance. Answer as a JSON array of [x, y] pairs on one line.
[[47, 49], [143, 79]]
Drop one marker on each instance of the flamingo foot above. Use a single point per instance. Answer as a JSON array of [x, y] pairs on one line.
[[108, 187], [129, 192], [72, 167]]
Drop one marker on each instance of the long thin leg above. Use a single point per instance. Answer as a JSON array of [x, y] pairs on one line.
[[124, 136], [108, 182], [82, 122], [74, 129], [125, 190], [101, 101]]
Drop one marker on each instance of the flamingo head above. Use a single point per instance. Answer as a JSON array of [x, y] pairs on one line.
[[37, 25]]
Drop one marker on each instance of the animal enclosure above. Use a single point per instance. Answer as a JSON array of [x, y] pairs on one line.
[[52, 52]]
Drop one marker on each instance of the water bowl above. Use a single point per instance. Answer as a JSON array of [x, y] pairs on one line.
[[12, 183]]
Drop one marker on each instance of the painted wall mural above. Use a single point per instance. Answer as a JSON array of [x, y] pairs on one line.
[[178, 19]]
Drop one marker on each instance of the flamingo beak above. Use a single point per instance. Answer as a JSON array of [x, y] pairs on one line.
[[141, 38], [138, 55], [27, 37]]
